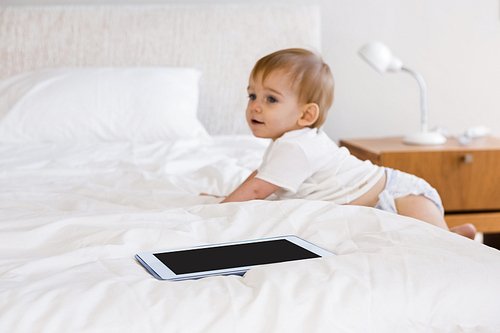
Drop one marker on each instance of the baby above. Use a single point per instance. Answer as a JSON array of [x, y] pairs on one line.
[[290, 92]]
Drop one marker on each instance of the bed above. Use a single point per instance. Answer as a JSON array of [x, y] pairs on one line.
[[113, 119]]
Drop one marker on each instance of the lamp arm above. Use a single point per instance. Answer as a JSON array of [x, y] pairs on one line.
[[423, 97]]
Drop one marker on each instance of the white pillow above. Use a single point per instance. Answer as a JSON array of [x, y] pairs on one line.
[[138, 104]]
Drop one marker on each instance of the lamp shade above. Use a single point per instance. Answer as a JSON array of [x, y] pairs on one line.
[[380, 57]]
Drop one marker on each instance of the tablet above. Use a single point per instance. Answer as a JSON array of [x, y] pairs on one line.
[[228, 258]]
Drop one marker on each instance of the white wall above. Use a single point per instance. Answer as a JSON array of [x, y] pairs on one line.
[[453, 44]]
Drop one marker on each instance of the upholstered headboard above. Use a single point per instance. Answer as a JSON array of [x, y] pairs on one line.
[[223, 41]]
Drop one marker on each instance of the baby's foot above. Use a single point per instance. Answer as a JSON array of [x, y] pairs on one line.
[[467, 230]]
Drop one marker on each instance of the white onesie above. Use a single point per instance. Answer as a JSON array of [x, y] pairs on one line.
[[307, 164]]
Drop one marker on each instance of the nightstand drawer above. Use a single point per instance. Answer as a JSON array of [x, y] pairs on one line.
[[466, 180]]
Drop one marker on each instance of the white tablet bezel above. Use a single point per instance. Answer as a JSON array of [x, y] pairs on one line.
[[162, 272]]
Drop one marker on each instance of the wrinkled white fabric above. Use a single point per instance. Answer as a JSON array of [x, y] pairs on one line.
[[72, 217]]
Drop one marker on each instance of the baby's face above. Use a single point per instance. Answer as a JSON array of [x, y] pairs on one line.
[[273, 108]]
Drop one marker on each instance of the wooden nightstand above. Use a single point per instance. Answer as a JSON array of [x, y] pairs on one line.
[[466, 177]]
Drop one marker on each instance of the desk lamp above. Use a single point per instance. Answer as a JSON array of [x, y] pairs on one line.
[[380, 57]]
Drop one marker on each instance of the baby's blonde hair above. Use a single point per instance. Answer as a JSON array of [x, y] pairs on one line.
[[310, 77]]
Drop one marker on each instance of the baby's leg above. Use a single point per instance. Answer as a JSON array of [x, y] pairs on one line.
[[422, 208]]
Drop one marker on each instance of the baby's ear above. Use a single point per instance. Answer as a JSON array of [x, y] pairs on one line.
[[310, 113]]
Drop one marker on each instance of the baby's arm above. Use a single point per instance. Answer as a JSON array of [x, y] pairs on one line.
[[252, 188]]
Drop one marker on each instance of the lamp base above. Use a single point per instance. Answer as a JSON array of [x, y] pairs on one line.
[[425, 138]]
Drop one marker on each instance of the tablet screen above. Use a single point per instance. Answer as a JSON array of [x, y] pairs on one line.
[[232, 256]]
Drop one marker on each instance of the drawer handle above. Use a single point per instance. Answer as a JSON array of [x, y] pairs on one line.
[[468, 158]]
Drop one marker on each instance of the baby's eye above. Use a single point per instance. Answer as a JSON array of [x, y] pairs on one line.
[[272, 99], [252, 97]]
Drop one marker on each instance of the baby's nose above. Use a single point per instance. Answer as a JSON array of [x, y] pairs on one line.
[[255, 105]]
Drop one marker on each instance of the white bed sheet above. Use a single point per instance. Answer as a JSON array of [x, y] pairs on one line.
[[73, 216]]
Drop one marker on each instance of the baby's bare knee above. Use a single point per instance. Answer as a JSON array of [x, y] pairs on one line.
[[422, 208]]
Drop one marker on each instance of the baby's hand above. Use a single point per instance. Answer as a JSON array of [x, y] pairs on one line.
[[211, 195]]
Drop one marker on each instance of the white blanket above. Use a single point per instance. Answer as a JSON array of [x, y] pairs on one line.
[[73, 216]]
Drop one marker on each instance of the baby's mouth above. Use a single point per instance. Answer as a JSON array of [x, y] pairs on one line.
[[257, 122]]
